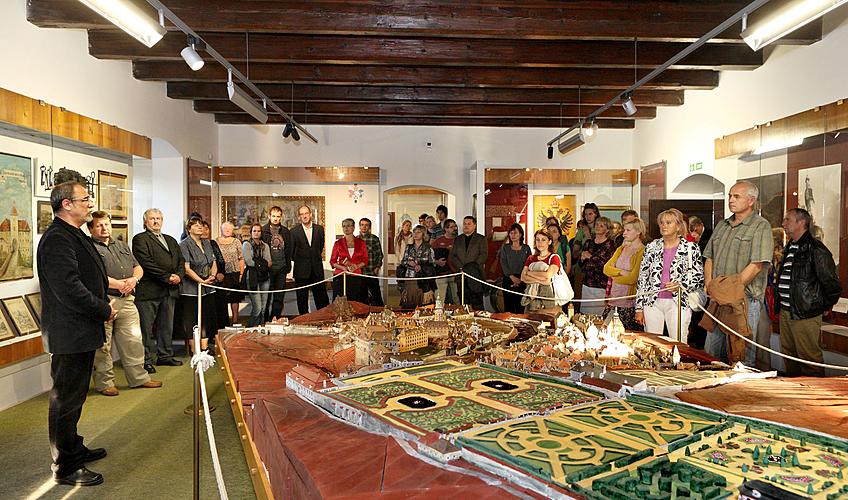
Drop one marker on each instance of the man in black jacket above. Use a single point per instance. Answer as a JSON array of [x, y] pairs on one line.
[[156, 294], [807, 286], [278, 238], [75, 306], [307, 244]]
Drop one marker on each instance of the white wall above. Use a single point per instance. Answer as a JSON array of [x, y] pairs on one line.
[[54, 65], [793, 79], [405, 159]]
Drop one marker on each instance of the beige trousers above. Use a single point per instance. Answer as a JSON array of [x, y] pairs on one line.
[[126, 332], [801, 338]]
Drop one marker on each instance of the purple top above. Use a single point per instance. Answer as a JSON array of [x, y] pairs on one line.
[[668, 256]]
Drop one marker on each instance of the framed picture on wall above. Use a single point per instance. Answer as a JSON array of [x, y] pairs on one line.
[[44, 216], [6, 329], [16, 217], [563, 207], [113, 194], [120, 232], [20, 315], [613, 212], [819, 191], [34, 300], [247, 210]]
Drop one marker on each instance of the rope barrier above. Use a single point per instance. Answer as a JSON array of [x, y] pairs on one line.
[[782, 355]]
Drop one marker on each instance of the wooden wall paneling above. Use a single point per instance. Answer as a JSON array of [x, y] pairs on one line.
[[836, 116], [561, 176], [226, 174], [65, 123], [19, 351]]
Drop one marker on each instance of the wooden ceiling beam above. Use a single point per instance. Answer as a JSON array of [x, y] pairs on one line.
[[682, 21], [367, 93], [431, 76], [464, 52], [428, 110], [514, 122]]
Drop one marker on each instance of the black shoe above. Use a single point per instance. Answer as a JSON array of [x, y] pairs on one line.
[[94, 454], [211, 350], [150, 368], [80, 477], [169, 362]]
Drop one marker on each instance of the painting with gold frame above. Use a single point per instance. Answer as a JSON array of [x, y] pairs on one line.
[[562, 206], [6, 330], [120, 232], [613, 212], [246, 210], [113, 194], [20, 315], [34, 301]]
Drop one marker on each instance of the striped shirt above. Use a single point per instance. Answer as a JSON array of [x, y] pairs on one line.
[[785, 279]]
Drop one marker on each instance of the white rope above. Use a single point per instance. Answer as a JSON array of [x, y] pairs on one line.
[[782, 355], [602, 299], [239, 290], [201, 362], [395, 278]]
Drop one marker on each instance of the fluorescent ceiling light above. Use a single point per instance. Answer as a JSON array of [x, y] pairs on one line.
[[786, 20], [204, 182], [572, 143], [130, 18], [775, 145], [243, 100]]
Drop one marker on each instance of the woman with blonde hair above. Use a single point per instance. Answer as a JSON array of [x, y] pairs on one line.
[[403, 239], [671, 266], [623, 270]]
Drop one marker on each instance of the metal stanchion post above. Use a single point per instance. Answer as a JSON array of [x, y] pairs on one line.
[[197, 403], [679, 312], [462, 293]]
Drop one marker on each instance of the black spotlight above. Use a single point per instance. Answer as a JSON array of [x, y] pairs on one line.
[[295, 134], [550, 152], [287, 131]]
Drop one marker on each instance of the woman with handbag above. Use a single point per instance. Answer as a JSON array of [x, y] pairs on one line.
[[538, 271], [418, 262], [349, 254], [512, 257], [596, 252], [623, 272], [200, 267], [671, 263], [257, 276], [233, 268]]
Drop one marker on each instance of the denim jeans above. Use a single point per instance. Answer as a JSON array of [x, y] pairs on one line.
[[716, 343], [258, 301]]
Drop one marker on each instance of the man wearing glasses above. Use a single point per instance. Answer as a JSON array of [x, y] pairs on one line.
[[75, 306]]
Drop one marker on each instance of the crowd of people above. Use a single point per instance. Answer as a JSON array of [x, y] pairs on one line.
[[97, 290]]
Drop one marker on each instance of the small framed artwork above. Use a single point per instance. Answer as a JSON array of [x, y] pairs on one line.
[[613, 212], [34, 300], [21, 316], [44, 216], [113, 194], [120, 232], [6, 330]]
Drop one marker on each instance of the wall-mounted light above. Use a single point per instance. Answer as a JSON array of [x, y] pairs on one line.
[[190, 55], [785, 20], [130, 18]]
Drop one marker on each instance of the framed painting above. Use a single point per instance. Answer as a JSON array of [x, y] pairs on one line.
[[16, 221], [6, 330], [120, 232], [772, 196], [613, 212], [246, 210], [34, 301], [563, 207], [44, 216], [819, 192], [113, 194], [20, 315]]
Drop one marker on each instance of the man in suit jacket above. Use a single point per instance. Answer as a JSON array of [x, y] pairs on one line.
[[75, 306], [278, 238], [307, 243], [160, 257], [469, 254]]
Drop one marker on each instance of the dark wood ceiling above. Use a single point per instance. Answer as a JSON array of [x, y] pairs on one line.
[[516, 63]]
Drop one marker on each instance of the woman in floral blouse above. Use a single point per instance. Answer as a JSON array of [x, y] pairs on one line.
[[418, 262], [596, 252]]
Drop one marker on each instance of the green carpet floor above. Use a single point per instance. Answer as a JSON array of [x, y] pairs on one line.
[[146, 435]]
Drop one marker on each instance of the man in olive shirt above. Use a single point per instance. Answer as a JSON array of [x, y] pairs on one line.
[[124, 274], [740, 245]]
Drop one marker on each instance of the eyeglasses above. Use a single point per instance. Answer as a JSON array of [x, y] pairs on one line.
[[86, 199]]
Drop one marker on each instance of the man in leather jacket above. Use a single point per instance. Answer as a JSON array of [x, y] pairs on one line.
[[807, 286]]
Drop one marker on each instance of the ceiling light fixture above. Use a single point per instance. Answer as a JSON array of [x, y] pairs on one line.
[[550, 152], [785, 21], [628, 105], [243, 100], [287, 130], [573, 142], [190, 55], [770, 146], [130, 18], [591, 129]]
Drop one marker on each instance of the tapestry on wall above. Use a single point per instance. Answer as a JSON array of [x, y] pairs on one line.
[[563, 207], [15, 217], [243, 211]]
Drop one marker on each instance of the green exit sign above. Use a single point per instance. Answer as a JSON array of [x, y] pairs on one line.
[[694, 167]]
